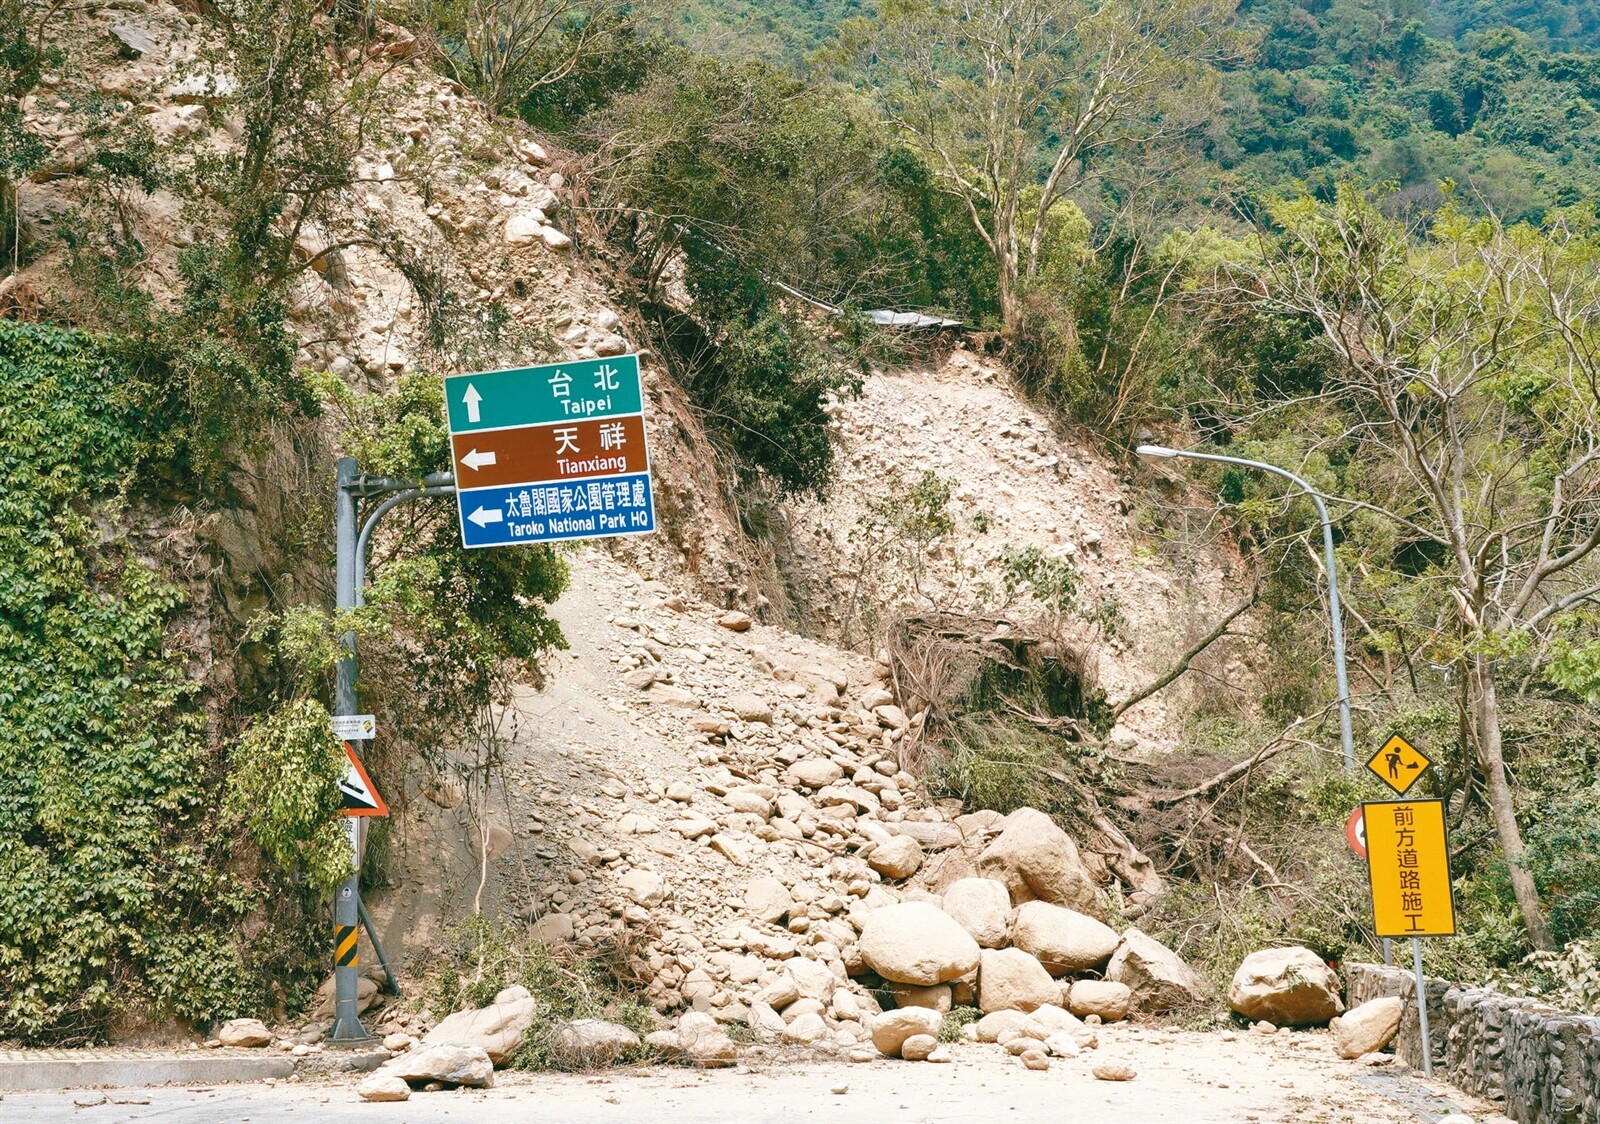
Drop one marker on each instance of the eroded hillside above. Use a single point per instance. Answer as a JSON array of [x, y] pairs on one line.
[[665, 785]]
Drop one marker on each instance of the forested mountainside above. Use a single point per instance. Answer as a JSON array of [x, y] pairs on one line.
[[1564, 25], [1501, 98]]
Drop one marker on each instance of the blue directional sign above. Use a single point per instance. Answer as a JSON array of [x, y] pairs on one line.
[[551, 453], [551, 511]]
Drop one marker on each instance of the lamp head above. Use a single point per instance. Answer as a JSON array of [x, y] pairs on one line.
[[1156, 451]]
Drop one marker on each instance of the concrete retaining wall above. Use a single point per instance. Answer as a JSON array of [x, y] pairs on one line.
[[1543, 1064]]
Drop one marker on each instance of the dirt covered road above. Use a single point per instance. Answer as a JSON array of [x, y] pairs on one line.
[[1182, 1078]]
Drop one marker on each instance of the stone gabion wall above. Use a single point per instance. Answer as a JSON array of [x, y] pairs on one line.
[[1543, 1064]]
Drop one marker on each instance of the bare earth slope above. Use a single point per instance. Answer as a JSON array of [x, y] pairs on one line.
[[1015, 484]]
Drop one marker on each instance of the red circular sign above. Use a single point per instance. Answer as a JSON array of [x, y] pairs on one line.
[[1355, 832]]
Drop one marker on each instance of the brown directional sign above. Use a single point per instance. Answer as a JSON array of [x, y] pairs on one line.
[[568, 450], [1399, 764]]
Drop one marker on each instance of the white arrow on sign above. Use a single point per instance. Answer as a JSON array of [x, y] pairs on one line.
[[484, 516], [472, 398], [476, 460]]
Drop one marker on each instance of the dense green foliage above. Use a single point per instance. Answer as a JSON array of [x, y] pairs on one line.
[[1349, 90], [1563, 25], [742, 176], [1495, 94], [115, 887], [773, 30]]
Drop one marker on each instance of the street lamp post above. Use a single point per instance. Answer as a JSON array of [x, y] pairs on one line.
[[1345, 736]]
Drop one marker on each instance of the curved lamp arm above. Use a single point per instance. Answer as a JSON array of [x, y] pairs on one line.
[[1335, 616]]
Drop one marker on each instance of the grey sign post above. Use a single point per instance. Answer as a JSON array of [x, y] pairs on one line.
[[352, 536]]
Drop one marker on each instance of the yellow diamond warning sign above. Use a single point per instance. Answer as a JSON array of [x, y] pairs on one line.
[[1399, 764], [1408, 860]]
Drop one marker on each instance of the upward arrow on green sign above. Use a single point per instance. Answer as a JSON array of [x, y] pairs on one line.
[[595, 388]]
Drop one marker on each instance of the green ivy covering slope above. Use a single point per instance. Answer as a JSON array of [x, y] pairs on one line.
[[116, 896]]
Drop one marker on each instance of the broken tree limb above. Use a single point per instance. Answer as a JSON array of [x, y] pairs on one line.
[[1188, 657], [1276, 746], [1237, 843]]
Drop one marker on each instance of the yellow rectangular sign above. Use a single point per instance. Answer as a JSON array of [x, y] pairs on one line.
[[1408, 860]]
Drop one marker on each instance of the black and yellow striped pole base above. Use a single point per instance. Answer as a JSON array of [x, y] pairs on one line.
[[346, 946], [347, 1029]]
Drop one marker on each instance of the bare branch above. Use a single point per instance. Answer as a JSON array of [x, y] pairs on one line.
[[1188, 657]]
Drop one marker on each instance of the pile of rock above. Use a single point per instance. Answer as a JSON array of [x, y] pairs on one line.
[[753, 842], [1294, 987], [785, 873], [1002, 937]]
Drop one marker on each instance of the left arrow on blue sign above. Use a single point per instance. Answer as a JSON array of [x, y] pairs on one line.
[[485, 515]]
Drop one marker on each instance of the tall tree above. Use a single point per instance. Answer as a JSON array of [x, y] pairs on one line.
[[1468, 386], [1008, 98]]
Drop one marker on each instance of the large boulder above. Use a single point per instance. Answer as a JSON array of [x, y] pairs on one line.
[[1285, 986], [936, 998], [698, 1039], [244, 1032], [767, 899], [1053, 1020], [450, 1064], [1011, 980], [1003, 1026], [1110, 1000], [982, 907], [812, 978], [916, 943], [497, 1029], [1369, 1027], [591, 1043], [891, 1029], [383, 1087], [1156, 976], [898, 858], [1063, 939], [644, 887], [1035, 859], [815, 772]]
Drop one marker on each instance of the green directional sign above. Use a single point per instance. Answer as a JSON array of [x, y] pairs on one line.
[[594, 388]]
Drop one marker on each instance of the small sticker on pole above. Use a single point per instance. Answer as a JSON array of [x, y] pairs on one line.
[[354, 727]]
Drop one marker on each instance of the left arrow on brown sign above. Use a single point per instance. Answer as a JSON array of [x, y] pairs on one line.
[[533, 454]]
